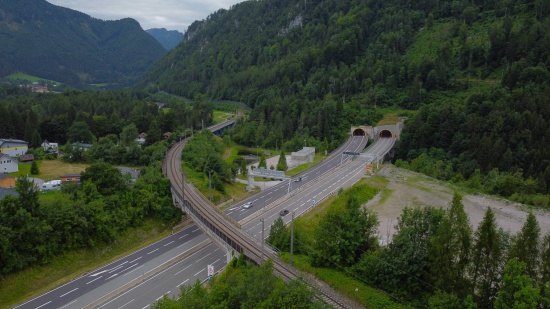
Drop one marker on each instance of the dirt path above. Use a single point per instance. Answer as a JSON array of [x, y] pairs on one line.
[[406, 188]]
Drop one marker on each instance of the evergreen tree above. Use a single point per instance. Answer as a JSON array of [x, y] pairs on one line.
[[487, 261], [450, 249], [263, 162], [282, 165], [34, 168], [244, 169], [544, 268], [525, 247]]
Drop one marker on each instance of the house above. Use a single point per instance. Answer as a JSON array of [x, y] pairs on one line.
[[82, 146], [50, 147], [26, 158], [5, 192], [8, 164], [7, 181], [70, 178], [141, 138], [13, 147]]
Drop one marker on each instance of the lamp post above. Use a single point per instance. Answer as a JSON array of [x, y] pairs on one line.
[[210, 184]]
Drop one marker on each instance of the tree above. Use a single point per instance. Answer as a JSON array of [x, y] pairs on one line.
[[342, 236], [544, 268], [279, 236], [449, 250], [80, 132], [128, 135], [34, 168], [282, 165], [244, 169], [517, 289], [488, 257], [105, 177], [525, 246], [263, 162]]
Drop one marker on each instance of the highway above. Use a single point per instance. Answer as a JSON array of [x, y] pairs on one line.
[[90, 287]]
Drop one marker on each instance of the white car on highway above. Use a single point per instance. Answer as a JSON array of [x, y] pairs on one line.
[[247, 205]]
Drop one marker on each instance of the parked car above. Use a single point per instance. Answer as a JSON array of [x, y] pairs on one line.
[[283, 212], [247, 205]]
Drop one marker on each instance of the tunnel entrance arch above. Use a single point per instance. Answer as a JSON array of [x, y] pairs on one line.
[[359, 132], [367, 131], [385, 134]]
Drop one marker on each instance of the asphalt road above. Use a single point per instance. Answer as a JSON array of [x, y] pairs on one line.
[[92, 286], [95, 284]]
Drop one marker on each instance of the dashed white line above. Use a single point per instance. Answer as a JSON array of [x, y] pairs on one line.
[[169, 243], [125, 304], [69, 292], [94, 280], [203, 257], [135, 259], [67, 305], [182, 270], [153, 251], [146, 307], [200, 271], [43, 305], [183, 236], [183, 282]]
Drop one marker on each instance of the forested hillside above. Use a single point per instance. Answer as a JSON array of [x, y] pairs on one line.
[[167, 38], [56, 43], [476, 70]]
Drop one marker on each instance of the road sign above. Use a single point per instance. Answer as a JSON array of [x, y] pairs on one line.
[[210, 271], [351, 153]]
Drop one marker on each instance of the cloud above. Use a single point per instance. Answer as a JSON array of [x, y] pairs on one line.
[[169, 14]]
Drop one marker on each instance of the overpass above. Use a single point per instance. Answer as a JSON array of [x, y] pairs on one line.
[[220, 128]]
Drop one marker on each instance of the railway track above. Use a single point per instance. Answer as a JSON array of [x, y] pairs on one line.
[[228, 229]]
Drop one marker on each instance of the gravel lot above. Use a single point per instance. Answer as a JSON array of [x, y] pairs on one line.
[[406, 188]]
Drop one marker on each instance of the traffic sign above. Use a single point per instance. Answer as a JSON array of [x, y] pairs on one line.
[[210, 271]]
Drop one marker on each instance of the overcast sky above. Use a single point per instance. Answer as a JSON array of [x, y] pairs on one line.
[[169, 14]]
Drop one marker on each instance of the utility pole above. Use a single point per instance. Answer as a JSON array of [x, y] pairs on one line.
[[210, 184], [262, 219], [182, 189], [291, 237]]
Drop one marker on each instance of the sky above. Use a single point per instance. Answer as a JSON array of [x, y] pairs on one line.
[[169, 14]]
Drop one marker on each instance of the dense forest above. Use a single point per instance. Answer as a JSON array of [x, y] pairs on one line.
[[56, 43], [435, 259], [476, 71], [167, 38]]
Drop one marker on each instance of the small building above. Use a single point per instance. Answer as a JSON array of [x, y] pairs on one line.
[[7, 181], [8, 164], [5, 192], [26, 158], [70, 178], [13, 147], [82, 146], [306, 154], [141, 138], [50, 147], [166, 135]]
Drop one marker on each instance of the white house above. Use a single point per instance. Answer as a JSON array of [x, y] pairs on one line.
[[13, 147], [50, 147], [8, 164]]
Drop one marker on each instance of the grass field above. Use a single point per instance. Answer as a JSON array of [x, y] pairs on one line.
[[220, 116], [51, 169], [30, 78], [34, 281]]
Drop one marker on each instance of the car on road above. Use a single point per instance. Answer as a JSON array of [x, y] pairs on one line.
[[298, 179], [283, 212], [247, 205]]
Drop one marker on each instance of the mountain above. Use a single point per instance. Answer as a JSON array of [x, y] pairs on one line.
[[52, 42], [473, 77], [168, 38]]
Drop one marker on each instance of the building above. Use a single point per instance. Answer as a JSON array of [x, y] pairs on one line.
[[70, 178], [13, 147], [82, 146], [50, 147], [7, 181], [5, 192], [306, 154], [8, 164], [26, 158]]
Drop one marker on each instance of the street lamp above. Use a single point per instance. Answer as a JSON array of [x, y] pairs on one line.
[[210, 185]]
